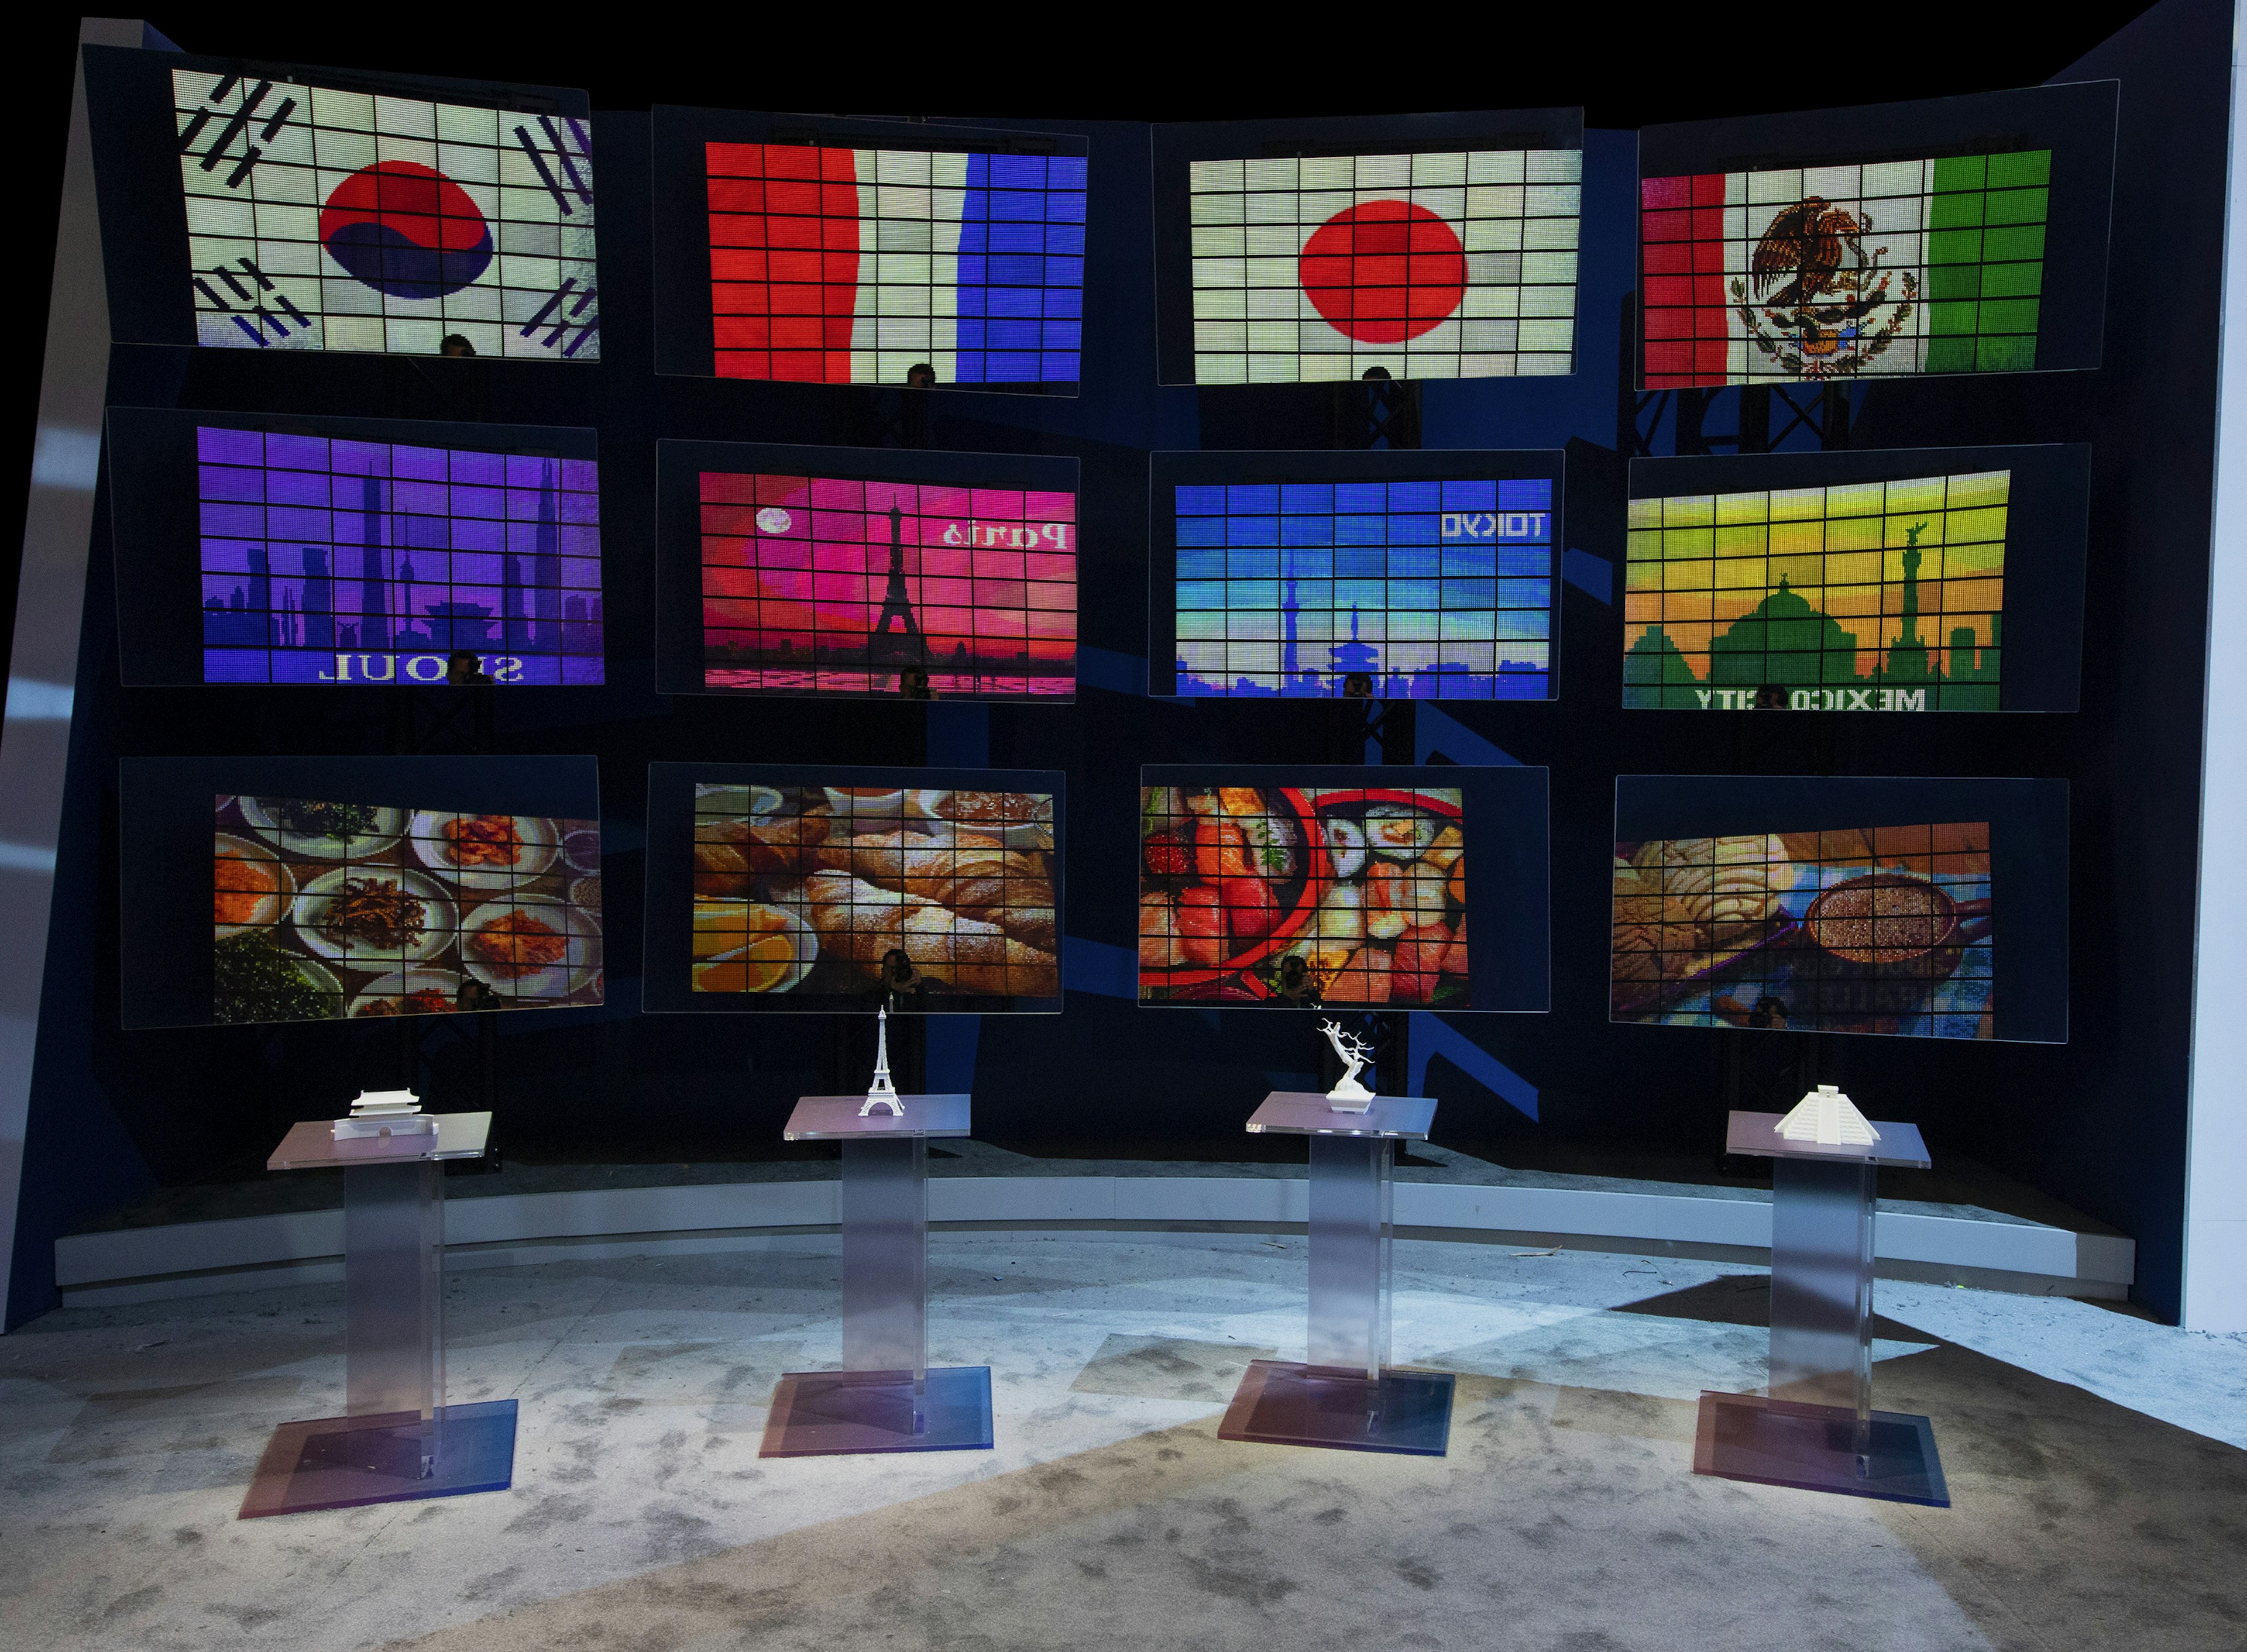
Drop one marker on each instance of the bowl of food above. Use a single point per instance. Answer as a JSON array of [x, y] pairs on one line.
[[531, 946], [1228, 875], [581, 848], [374, 918], [412, 992], [1020, 820], [866, 809], [748, 946], [1884, 922], [323, 831], [250, 885], [254, 978], [484, 851]]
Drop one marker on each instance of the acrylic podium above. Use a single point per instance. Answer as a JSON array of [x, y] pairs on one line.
[[398, 1439], [1346, 1395], [886, 1398], [1816, 1428]]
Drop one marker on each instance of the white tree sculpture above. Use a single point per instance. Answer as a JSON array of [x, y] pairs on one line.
[[1355, 1051]]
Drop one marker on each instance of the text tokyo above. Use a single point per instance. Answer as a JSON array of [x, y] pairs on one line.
[[1816, 699], [416, 668], [1502, 524], [1051, 535]]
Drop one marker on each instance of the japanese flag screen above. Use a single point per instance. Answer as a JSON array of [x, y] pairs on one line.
[[1448, 264]]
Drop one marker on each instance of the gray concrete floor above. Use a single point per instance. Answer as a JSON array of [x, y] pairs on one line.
[[2096, 1464]]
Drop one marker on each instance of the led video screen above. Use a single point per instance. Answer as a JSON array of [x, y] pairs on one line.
[[851, 572], [354, 551], [325, 908], [1904, 239], [1903, 580], [1430, 575], [1342, 888], [327, 211], [789, 889], [1917, 919], [855, 252], [351, 900], [1427, 247]]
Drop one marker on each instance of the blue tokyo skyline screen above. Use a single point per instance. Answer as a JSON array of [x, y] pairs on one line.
[[332, 561], [1434, 589]]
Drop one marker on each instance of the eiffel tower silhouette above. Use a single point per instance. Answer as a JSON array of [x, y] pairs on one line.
[[908, 648]]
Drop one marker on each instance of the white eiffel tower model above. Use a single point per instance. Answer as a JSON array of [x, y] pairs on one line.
[[1829, 1119], [884, 1093]]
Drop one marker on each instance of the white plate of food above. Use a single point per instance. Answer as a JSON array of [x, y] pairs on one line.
[[374, 917], [531, 946], [412, 992], [250, 885], [323, 831], [750, 946], [484, 851]]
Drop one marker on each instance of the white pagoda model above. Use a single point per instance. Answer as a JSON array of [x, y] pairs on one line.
[[385, 1113], [1829, 1119], [883, 1093], [1350, 1096]]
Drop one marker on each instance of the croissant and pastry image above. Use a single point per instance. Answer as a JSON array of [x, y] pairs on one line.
[[970, 905]]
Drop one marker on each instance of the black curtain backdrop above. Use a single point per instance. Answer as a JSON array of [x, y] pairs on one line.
[[2099, 1122]]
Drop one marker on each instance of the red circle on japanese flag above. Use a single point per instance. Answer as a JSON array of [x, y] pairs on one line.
[[1384, 271]]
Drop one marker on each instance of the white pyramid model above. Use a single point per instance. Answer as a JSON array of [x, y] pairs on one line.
[[1828, 1119]]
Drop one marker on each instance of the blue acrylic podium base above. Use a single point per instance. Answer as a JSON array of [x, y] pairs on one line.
[[1745, 1437], [844, 1413], [342, 1462], [1280, 1402]]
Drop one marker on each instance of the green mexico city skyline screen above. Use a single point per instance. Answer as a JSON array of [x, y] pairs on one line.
[[1875, 595]]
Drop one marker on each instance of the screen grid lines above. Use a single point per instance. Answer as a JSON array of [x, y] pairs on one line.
[[1425, 589], [1833, 271], [837, 586], [832, 265], [1885, 929], [1875, 595], [321, 219], [337, 561], [1430, 265], [804, 895]]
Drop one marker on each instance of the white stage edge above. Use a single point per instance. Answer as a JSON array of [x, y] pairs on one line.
[[191, 1259]]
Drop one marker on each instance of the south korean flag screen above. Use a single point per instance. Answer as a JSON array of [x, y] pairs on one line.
[[322, 219]]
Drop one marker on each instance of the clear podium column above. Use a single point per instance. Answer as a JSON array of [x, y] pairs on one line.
[[884, 1209], [393, 1293], [886, 1398], [1351, 1213], [1345, 1394], [1815, 1427], [397, 1440]]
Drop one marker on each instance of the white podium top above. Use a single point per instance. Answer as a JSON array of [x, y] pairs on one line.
[[312, 1146], [1306, 1113], [1756, 1135], [835, 1118]]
